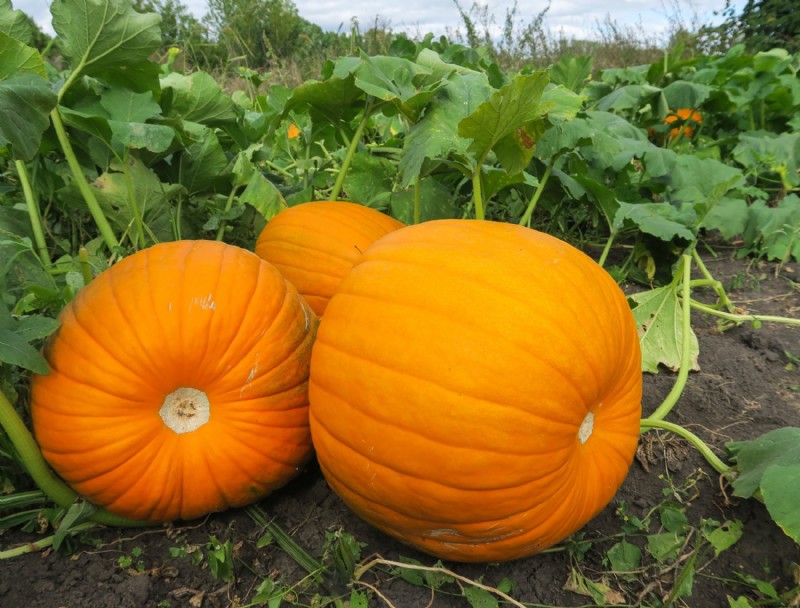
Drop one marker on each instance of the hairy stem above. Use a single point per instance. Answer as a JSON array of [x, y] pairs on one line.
[[41, 544], [526, 217], [33, 461], [477, 193], [606, 249], [77, 174], [351, 150], [720, 467], [724, 300], [417, 193], [33, 213], [742, 318], [222, 222], [86, 270]]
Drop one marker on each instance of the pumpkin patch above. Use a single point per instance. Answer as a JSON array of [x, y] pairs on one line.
[[475, 389], [178, 383]]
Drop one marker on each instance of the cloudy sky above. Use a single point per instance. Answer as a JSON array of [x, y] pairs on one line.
[[573, 18]]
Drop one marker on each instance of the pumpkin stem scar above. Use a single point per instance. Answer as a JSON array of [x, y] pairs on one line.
[[585, 431], [185, 410]]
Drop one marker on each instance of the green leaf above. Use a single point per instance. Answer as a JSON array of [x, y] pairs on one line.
[[739, 602], [436, 134], [664, 545], [763, 152], [15, 57], [781, 232], [662, 220], [658, 314], [332, 97], [435, 579], [14, 23], [29, 99], [389, 79], [480, 598], [113, 190], [156, 138], [127, 106], [624, 557], [410, 575], [685, 94], [263, 195], [780, 447], [673, 519], [729, 216], [15, 350], [358, 599], [35, 327], [724, 536], [78, 512], [202, 164], [504, 114], [369, 180], [572, 72], [196, 98], [633, 97], [108, 38]]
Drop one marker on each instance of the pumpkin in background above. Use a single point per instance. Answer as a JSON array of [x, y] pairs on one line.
[[316, 244], [687, 118], [178, 383], [475, 389]]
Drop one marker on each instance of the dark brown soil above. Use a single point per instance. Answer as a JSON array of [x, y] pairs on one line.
[[745, 388]]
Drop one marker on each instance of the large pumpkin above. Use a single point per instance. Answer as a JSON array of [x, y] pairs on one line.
[[316, 244], [178, 383], [475, 389]]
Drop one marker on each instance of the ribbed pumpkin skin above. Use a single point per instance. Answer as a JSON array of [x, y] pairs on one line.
[[450, 379], [316, 244], [196, 314]]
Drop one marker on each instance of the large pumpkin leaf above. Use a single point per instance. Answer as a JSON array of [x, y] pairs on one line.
[[332, 97], [14, 23], [780, 487], [658, 314], [780, 447], [503, 118], [25, 104], [16, 57], [263, 195], [389, 79], [436, 134], [109, 39], [662, 220], [196, 98]]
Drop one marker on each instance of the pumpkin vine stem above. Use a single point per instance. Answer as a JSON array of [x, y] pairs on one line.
[[526, 217], [80, 180], [352, 147], [43, 543], [33, 213], [33, 461], [712, 459]]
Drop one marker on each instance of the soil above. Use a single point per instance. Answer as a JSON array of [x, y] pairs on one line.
[[746, 386]]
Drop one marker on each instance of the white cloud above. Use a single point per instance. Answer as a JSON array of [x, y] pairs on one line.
[[575, 18]]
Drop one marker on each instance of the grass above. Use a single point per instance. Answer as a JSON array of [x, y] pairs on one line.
[[514, 41]]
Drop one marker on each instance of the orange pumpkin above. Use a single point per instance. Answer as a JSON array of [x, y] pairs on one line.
[[178, 383], [687, 118], [475, 389], [316, 244]]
